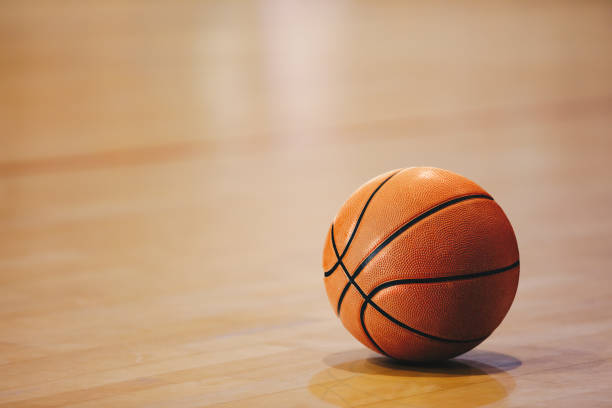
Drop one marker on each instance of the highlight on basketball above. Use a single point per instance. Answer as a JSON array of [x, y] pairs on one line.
[[291, 203]]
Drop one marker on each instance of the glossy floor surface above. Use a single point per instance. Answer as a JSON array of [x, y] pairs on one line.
[[169, 170]]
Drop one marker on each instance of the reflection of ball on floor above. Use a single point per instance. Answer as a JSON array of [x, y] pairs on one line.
[[355, 381], [421, 264]]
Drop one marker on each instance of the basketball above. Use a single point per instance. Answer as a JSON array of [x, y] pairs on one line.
[[421, 264]]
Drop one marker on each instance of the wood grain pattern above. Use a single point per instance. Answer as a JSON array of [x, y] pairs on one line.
[[168, 173]]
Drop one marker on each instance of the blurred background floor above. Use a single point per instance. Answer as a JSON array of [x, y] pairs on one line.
[[168, 172]]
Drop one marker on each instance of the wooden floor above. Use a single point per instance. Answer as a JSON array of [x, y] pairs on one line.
[[168, 172]]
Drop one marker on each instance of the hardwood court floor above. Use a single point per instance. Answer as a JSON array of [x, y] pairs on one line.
[[168, 171]]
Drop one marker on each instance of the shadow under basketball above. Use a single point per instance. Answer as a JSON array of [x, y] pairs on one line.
[[358, 378]]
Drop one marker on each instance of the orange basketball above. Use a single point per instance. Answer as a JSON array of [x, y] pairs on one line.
[[421, 264]]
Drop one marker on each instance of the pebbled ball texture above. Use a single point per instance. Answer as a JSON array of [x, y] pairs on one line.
[[421, 264]]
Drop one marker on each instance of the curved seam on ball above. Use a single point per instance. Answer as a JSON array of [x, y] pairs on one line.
[[365, 330], [333, 268], [442, 278]]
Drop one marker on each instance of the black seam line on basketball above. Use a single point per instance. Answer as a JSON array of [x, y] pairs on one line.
[[367, 299], [404, 227], [342, 294], [333, 241], [365, 330], [442, 278], [333, 268]]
